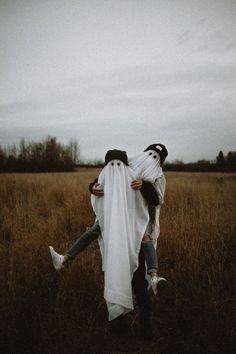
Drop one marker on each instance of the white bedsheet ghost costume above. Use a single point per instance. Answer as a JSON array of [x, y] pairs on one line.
[[123, 218], [146, 166]]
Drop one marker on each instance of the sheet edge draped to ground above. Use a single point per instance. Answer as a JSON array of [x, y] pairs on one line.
[[123, 218]]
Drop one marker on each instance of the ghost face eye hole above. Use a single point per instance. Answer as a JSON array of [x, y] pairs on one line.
[[118, 163], [155, 156], [150, 153], [112, 163]]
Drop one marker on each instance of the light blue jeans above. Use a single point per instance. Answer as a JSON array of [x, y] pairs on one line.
[[94, 231], [149, 250], [84, 240]]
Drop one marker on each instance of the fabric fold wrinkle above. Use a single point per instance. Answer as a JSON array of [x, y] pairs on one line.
[[123, 218]]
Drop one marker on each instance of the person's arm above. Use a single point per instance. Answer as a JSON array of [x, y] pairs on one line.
[[91, 185], [149, 193], [95, 188], [147, 190]]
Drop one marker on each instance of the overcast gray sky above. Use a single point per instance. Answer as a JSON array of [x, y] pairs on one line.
[[120, 74]]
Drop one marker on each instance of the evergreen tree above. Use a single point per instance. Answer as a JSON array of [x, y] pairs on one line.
[[220, 160], [231, 160]]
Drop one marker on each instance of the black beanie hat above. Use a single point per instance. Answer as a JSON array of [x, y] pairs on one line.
[[116, 155], [160, 149]]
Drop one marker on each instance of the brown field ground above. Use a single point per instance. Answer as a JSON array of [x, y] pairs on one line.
[[44, 312]]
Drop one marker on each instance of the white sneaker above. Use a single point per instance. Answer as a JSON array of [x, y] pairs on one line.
[[154, 282], [57, 259]]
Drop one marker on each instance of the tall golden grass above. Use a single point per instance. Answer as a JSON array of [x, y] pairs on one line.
[[43, 311]]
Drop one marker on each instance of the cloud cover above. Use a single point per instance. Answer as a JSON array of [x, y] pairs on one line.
[[120, 75]]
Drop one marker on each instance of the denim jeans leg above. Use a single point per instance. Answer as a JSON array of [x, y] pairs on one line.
[[85, 239], [149, 228], [150, 256]]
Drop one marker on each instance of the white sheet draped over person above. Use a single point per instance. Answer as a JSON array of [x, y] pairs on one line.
[[123, 217], [147, 166]]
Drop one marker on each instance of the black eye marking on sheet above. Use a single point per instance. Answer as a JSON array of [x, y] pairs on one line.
[[155, 156], [150, 153], [118, 163], [112, 163]]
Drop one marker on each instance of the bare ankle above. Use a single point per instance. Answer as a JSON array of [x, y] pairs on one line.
[[153, 274]]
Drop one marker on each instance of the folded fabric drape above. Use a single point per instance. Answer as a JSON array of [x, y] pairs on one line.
[[123, 218]]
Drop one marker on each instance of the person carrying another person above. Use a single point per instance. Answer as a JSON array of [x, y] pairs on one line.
[[150, 181]]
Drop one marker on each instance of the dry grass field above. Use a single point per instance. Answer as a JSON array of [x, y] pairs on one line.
[[45, 312]]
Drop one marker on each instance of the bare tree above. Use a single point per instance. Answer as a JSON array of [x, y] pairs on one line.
[[74, 152]]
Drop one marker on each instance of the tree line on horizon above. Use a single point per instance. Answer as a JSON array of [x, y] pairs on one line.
[[51, 156], [47, 155], [222, 163]]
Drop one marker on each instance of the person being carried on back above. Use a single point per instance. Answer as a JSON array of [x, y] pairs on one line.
[[151, 183]]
